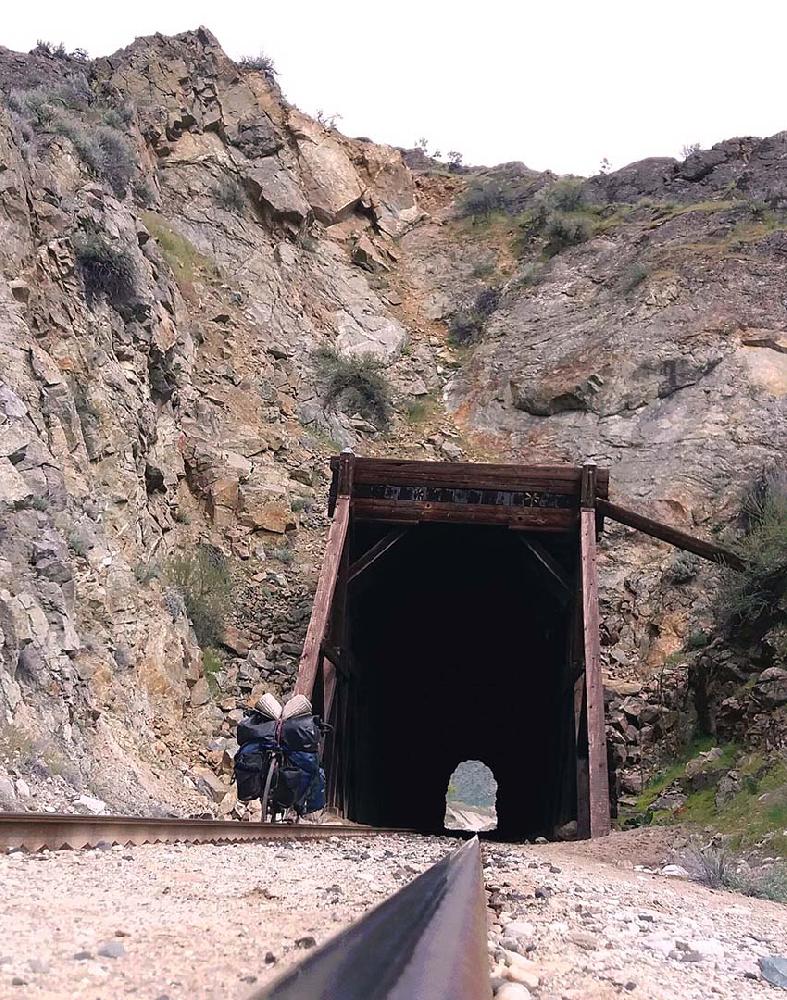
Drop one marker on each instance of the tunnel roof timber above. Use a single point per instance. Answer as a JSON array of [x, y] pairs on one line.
[[527, 497]]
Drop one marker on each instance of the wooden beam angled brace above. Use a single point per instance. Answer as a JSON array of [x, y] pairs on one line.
[[373, 554], [680, 539], [548, 562], [323, 598]]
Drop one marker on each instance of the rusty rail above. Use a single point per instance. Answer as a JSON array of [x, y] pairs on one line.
[[427, 941], [33, 831]]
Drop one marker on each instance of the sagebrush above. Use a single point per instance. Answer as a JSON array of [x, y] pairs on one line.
[[106, 268], [355, 384], [202, 578], [753, 600]]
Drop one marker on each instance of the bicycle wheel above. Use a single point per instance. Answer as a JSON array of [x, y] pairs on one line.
[[272, 768]]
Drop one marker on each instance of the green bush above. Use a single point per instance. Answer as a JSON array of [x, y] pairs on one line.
[[753, 600], [632, 277], [229, 194], [106, 269], [202, 579], [211, 666], [566, 229], [102, 147], [355, 384], [118, 163], [480, 200], [483, 269], [283, 554], [466, 325]]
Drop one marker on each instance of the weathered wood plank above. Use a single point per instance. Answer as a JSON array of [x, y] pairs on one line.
[[564, 479], [373, 554], [323, 596], [681, 539], [413, 511], [598, 778]]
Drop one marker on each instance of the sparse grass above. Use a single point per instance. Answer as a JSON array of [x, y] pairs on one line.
[[283, 553], [665, 778], [756, 814], [719, 867], [106, 269], [202, 578], [420, 409], [211, 666], [355, 384], [15, 742], [179, 252], [632, 277]]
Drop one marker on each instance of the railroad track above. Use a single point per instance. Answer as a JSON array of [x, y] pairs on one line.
[[426, 941], [55, 831]]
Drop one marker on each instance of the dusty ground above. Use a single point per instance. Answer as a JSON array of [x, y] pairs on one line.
[[204, 922]]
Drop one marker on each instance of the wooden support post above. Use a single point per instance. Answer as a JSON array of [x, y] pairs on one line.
[[598, 778], [326, 583]]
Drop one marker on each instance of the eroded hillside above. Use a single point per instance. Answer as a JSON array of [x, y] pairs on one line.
[[195, 277]]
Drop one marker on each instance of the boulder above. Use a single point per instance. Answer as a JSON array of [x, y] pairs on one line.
[[209, 783], [200, 693], [256, 137], [771, 686], [331, 182], [266, 506], [277, 191]]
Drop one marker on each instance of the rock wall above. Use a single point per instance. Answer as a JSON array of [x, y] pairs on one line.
[[170, 405]]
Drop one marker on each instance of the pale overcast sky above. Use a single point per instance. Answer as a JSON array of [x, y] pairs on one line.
[[557, 85]]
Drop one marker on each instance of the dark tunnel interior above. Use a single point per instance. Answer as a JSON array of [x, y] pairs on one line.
[[459, 642]]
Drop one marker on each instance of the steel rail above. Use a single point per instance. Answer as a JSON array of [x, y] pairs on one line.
[[54, 831], [426, 942]]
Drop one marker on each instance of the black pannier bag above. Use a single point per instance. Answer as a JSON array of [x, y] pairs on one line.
[[301, 733], [251, 770], [255, 726]]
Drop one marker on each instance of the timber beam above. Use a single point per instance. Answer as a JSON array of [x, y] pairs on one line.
[[680, 539]]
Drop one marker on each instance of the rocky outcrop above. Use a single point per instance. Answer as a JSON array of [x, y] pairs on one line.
[[166, 274]]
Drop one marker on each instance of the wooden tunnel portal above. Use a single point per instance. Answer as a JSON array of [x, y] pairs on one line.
[[456, 616]]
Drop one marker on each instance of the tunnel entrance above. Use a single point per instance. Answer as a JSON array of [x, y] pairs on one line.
[[455, 618], [459, 651]]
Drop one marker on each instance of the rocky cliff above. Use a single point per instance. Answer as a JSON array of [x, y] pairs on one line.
[[205, 292]]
